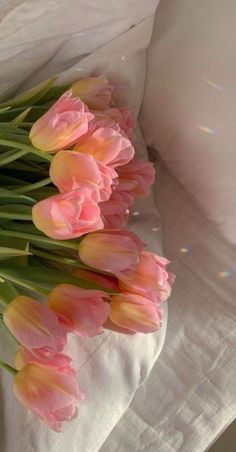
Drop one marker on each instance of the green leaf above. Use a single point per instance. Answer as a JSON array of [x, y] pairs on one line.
[[7, 292], [8, 197], [44, 279], [20, 118], [31, 96], [16, 211], [3, 110], [6, 127], [54, 93], [11, 156], [8, 114], [6, 253]]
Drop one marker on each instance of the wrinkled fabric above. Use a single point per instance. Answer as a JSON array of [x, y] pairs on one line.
[[189, 398]]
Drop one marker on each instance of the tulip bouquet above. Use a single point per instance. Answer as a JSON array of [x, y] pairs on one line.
[[68, 263]]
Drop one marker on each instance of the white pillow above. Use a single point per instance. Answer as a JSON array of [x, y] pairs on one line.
[[189, 112]]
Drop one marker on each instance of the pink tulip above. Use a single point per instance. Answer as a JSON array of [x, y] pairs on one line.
[[136, 177], [71, 170], [108, 282], [115, 251], [62, 125], [151, 279], [119, 221], [101, 120], [107, 146], [35, 327], [124, 117], [115, 211], [80, 311], [51, 394], [96, 92], [66, 216], [108, 180], [59, 361], [135, 313]]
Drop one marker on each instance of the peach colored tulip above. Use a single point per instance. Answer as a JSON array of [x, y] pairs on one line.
[[50, 393], [96, 92], [34, 326], [135, 312], [136, 177], [108, 282], [101, 120], [71, 170], [66, 216], [151, 279], [81, 311], [115, 211], [61, 125], [115, 251], [59, 361], [124, 117], [107, 146]]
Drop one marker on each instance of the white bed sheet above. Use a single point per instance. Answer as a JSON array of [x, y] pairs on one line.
[[189, 398]]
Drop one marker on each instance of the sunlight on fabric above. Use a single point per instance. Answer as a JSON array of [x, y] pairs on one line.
[[206, 129], [185, 250], [225, 274], [213, 84]]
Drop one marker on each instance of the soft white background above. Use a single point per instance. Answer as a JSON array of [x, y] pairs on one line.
[[188, 117]]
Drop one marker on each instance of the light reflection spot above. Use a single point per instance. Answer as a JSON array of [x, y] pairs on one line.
[[206, 129]]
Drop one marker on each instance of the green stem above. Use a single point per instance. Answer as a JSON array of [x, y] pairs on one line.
[[39, 238], [7, 367], [16, 216], [57, 258], [35, 186], [13, 144], [11, 158]]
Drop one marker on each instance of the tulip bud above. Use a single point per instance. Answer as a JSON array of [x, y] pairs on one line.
[[151, 279], [96, 92], [135, 313], [34, 326], [81, 311], [52, 394], [112, 250], [61, 125], [67, 216]]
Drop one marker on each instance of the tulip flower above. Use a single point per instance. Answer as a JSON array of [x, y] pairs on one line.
[[115, 251], [107, 146], [81, 311], [34, 326], [115, 211], [71, 170], [135, 313], [151, 278], [124, 117], [96, 92], [136, 177], [62, 125], [66, 216], [59, 361], [101, 120], [51, 394]]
